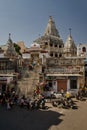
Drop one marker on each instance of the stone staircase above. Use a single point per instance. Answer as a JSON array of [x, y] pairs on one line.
[[27, 84]]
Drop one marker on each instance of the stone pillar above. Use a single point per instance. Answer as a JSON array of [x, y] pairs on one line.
[[68, 84]]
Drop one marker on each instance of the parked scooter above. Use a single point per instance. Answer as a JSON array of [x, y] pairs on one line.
[[64, 103]]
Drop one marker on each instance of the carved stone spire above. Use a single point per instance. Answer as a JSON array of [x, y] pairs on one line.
[[9, 35], [70, 47], [70, 42], [9, 42], [51, 28], [70, 31], [11, 49]]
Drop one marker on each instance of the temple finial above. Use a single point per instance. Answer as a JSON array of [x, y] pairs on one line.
[[9, 35], [50, 17], [70, 31]]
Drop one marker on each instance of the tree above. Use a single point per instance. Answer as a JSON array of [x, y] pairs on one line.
[[17, 48]]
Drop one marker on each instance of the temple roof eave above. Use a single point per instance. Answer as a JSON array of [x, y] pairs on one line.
[[54, 39]]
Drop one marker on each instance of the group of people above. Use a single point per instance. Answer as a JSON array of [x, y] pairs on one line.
[[11, 99], [8, 99], [66, 98], [82, 92], [64, 101]]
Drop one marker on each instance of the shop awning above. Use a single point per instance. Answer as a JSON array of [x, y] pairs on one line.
[[64, 75]]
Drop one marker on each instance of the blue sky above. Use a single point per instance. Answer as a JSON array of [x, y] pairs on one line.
[[27, 19]]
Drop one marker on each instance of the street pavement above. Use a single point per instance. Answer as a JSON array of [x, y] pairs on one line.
[[51, 119]]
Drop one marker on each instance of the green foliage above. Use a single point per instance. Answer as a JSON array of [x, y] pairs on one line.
[[17, 48]]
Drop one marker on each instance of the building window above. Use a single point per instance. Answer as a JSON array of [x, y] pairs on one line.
[[55, 45], [84, 49], [51, 44], [73, 84], [51, 54], [60, 55], [50, 84], [56, 55], [46, 43], [60, 46]]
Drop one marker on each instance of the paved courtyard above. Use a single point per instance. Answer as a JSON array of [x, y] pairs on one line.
[[51, 119]]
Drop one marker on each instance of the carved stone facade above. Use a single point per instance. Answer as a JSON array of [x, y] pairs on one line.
[[54, 62], [66, 69], [8, 66], [63, 69]]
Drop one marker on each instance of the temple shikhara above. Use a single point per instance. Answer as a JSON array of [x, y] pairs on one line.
[[48, 64]]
